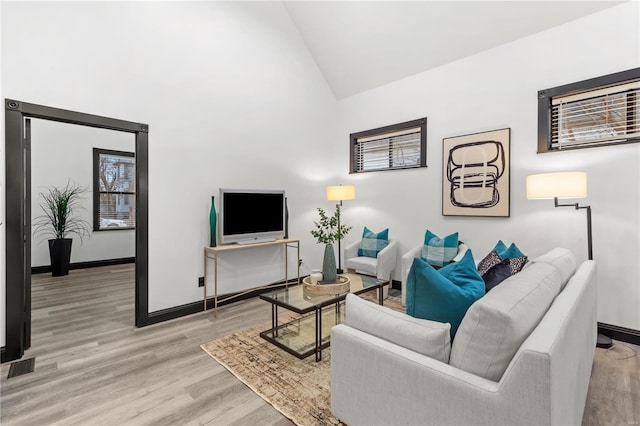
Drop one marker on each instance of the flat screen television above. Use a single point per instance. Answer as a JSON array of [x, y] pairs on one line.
[[251, 215]]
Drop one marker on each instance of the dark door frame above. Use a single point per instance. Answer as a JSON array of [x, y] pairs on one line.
[[17, 160]]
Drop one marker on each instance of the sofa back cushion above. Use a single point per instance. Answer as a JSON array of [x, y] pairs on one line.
[[563, 260], [495, 326], [426, 337]]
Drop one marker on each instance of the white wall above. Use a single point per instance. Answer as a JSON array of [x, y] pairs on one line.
[[498, 89], [63, 152], [232, 98]]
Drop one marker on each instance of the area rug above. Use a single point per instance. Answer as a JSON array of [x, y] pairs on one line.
[[299, 389]]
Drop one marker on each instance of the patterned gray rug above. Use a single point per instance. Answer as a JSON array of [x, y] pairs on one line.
[[299, 389]]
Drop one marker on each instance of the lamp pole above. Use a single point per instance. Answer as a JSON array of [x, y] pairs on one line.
[[339, 271], [602, 341], [577, 207]]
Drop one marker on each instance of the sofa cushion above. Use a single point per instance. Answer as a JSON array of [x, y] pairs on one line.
[[563, 260], [507, 252], [429, 338], [510, 252], [490, 260], [495, 326], [363, 265], [439, 252], [494, 258], [517, 263], [372, 243], [443, 295], [497, 274]]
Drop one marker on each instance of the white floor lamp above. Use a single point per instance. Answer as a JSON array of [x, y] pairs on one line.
[[340, 193], [565, 185]]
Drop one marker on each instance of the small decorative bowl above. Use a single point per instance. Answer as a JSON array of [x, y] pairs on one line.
[[342, 285]]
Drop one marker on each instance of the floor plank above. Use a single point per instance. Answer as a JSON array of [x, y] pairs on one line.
[[94, 367]]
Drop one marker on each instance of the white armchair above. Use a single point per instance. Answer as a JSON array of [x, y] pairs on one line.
[[407, 261], [381, 267]]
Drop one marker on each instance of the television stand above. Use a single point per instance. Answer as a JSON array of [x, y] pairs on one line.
[[214, 252], [255, 241]]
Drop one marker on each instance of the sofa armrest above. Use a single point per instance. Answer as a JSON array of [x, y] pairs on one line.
[[365, 370], [387, 259]]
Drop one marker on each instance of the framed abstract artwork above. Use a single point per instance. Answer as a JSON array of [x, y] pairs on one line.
[[476, 178]]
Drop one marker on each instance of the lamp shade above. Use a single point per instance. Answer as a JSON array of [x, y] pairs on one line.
[[341, 192], [557, 185]]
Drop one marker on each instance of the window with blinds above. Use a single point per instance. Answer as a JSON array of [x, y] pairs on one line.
[[114, 190], [399, 146], [597, 112]]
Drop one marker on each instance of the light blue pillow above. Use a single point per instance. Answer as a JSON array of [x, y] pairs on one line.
[[507, 252], [439, 252], [372, 243], [446, 294]]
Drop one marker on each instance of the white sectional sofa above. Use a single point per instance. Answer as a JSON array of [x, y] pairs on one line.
[[522, 355]]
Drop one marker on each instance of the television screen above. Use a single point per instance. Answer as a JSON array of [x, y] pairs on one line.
[[251, 215]]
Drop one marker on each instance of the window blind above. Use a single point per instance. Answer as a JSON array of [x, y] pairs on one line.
[[597, 117], [393, 150]]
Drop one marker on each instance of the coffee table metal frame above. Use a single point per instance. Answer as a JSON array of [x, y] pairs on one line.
[[279, 298]]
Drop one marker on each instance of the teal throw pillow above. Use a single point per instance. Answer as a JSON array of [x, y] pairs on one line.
[[507, 252], [443, 295], [439, 252], [512, 252], [500, 247], [373, 243]]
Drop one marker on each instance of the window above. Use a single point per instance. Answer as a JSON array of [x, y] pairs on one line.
[[114, 190], [596, 112], [399, 146]]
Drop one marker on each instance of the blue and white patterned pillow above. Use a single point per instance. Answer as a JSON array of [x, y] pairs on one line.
[[439, 252], [373, 243]]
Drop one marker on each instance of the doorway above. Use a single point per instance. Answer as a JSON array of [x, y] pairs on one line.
[[18, 217]]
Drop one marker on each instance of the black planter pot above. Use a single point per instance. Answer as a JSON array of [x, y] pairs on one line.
[[60, 255]]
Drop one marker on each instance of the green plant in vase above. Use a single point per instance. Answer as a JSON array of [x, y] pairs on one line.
[[59, 206], [329, 230]]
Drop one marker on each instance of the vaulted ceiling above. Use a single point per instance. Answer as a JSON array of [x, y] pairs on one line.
[[359, 45]]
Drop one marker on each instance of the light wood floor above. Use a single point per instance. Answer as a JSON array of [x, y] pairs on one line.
[[93, 367]]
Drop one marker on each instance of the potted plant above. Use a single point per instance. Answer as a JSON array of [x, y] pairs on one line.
[[327, 231], [59, 219]]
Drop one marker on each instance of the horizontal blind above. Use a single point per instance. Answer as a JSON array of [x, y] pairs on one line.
[[399, 149], [597, 117]]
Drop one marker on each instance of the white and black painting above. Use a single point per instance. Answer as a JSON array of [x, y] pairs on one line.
[[476, 174]]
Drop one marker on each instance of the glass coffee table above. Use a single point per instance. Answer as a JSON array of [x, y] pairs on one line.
[[309, 333]]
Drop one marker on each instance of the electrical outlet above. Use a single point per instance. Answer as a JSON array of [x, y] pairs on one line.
[[201, 282]]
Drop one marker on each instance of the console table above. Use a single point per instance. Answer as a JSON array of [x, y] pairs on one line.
[[215, 252]]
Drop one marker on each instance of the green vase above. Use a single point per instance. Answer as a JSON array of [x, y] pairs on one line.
[[213, 217], [329, 264]]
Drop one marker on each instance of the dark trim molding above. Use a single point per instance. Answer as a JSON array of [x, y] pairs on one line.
[[18, 220], [195, 307], [86, 265], [622, 334]]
